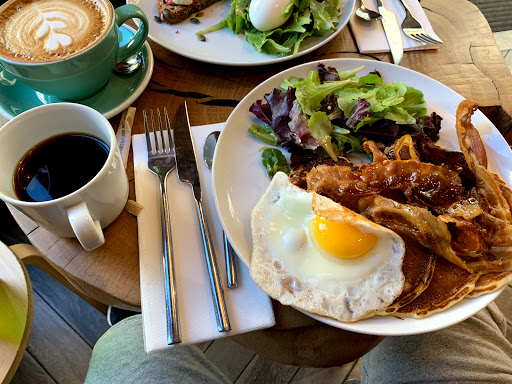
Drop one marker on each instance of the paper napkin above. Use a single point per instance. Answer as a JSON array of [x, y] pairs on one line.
[[249, 308], [370, 37]]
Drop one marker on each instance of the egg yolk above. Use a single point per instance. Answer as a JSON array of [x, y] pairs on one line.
[[343, 240]]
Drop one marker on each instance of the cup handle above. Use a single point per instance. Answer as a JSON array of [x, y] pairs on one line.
[[87, 230], [127, 12]]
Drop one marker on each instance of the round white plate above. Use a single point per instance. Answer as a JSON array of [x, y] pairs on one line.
[[239, 178], [223, 47]]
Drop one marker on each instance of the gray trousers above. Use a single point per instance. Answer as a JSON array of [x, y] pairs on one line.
[[474, 351]]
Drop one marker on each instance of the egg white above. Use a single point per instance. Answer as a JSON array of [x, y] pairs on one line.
[[288, 263], [266, 15]]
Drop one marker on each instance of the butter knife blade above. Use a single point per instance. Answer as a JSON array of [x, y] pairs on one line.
[[392, 32], [188, 173], [185, 155]]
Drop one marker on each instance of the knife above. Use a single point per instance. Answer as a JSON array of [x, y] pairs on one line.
[[188, 173], [393, 33]]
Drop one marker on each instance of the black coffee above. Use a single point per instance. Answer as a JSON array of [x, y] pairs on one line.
[[59, 166]]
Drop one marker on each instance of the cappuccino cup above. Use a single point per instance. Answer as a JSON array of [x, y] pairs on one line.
[[74, 191], [66, 48]]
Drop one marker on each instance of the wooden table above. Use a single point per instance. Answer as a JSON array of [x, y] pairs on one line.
[[469, 62]]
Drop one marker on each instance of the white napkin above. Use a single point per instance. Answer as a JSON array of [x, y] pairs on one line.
[[370, 37], [249, 308]]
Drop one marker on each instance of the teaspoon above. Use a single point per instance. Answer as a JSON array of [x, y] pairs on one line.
[[128, 66], [231, 268], [367, 14]]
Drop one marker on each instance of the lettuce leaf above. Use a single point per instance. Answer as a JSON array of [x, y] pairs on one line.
[[320, 127], [394, 101], [308, 17], [310, 92]]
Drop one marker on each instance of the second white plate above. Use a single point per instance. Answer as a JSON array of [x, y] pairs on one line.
[[224, 47]]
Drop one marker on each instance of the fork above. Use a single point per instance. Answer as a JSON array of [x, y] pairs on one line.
[[161, 161], [414, 29]]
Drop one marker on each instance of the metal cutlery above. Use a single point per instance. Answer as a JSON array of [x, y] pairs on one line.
[[161, 161], [229, 253], [413, 28], [188, 173], [392, 32], [367, 14]]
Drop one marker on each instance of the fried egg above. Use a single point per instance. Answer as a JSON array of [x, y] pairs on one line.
[[314, 254]]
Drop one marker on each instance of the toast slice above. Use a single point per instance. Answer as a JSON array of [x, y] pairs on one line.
[[172, 14]]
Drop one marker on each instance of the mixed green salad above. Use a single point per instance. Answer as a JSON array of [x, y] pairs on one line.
[[308, 18], [329, 112]]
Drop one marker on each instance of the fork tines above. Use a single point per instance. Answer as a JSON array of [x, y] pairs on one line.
[[161, 145], [413, 28]]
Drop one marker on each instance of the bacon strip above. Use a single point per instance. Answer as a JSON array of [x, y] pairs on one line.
[[414, 222], [438, 185], [493, 192]]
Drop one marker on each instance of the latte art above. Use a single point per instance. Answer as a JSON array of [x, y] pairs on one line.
[[48, 30]]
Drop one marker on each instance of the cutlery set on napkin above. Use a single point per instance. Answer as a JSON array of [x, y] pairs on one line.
[[248, 307], [388, 34]]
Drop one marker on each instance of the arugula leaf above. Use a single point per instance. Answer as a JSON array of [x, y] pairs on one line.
[[265, 133], [274, 161], [343, 136]]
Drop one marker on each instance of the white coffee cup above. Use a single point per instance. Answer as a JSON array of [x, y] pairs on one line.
[[84, 212]]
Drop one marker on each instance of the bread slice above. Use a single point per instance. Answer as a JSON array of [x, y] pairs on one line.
[[172, 14]]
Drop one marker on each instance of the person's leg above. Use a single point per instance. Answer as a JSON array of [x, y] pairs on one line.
[[119, 357], [474, 350]]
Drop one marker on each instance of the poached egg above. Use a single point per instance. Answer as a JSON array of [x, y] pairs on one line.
[[266, 15]]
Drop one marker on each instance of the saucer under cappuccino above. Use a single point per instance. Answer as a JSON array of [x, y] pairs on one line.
[[40, 31]]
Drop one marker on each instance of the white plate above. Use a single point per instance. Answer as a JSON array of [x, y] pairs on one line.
[[239, 178], [223, 47]]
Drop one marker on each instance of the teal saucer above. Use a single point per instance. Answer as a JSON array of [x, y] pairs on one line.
[[117, 95]]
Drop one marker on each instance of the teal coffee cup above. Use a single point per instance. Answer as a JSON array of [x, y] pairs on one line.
[[66, 48]]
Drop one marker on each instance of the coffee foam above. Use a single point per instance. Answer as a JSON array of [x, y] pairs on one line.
[[48, 30]]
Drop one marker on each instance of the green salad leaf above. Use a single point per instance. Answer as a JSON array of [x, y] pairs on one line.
[[394, 101], [274, 161], [375, 101], [320, 127], [265, 133], [308, 17], [310, 92]]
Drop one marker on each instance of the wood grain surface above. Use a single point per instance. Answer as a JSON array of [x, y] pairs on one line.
[[469, 62]]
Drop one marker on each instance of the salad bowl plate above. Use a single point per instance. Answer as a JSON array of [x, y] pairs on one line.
[[223, 46], [240, 179]]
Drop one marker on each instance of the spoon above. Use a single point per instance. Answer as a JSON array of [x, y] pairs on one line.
[[128, 66], [367, 14], [231, 268]]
